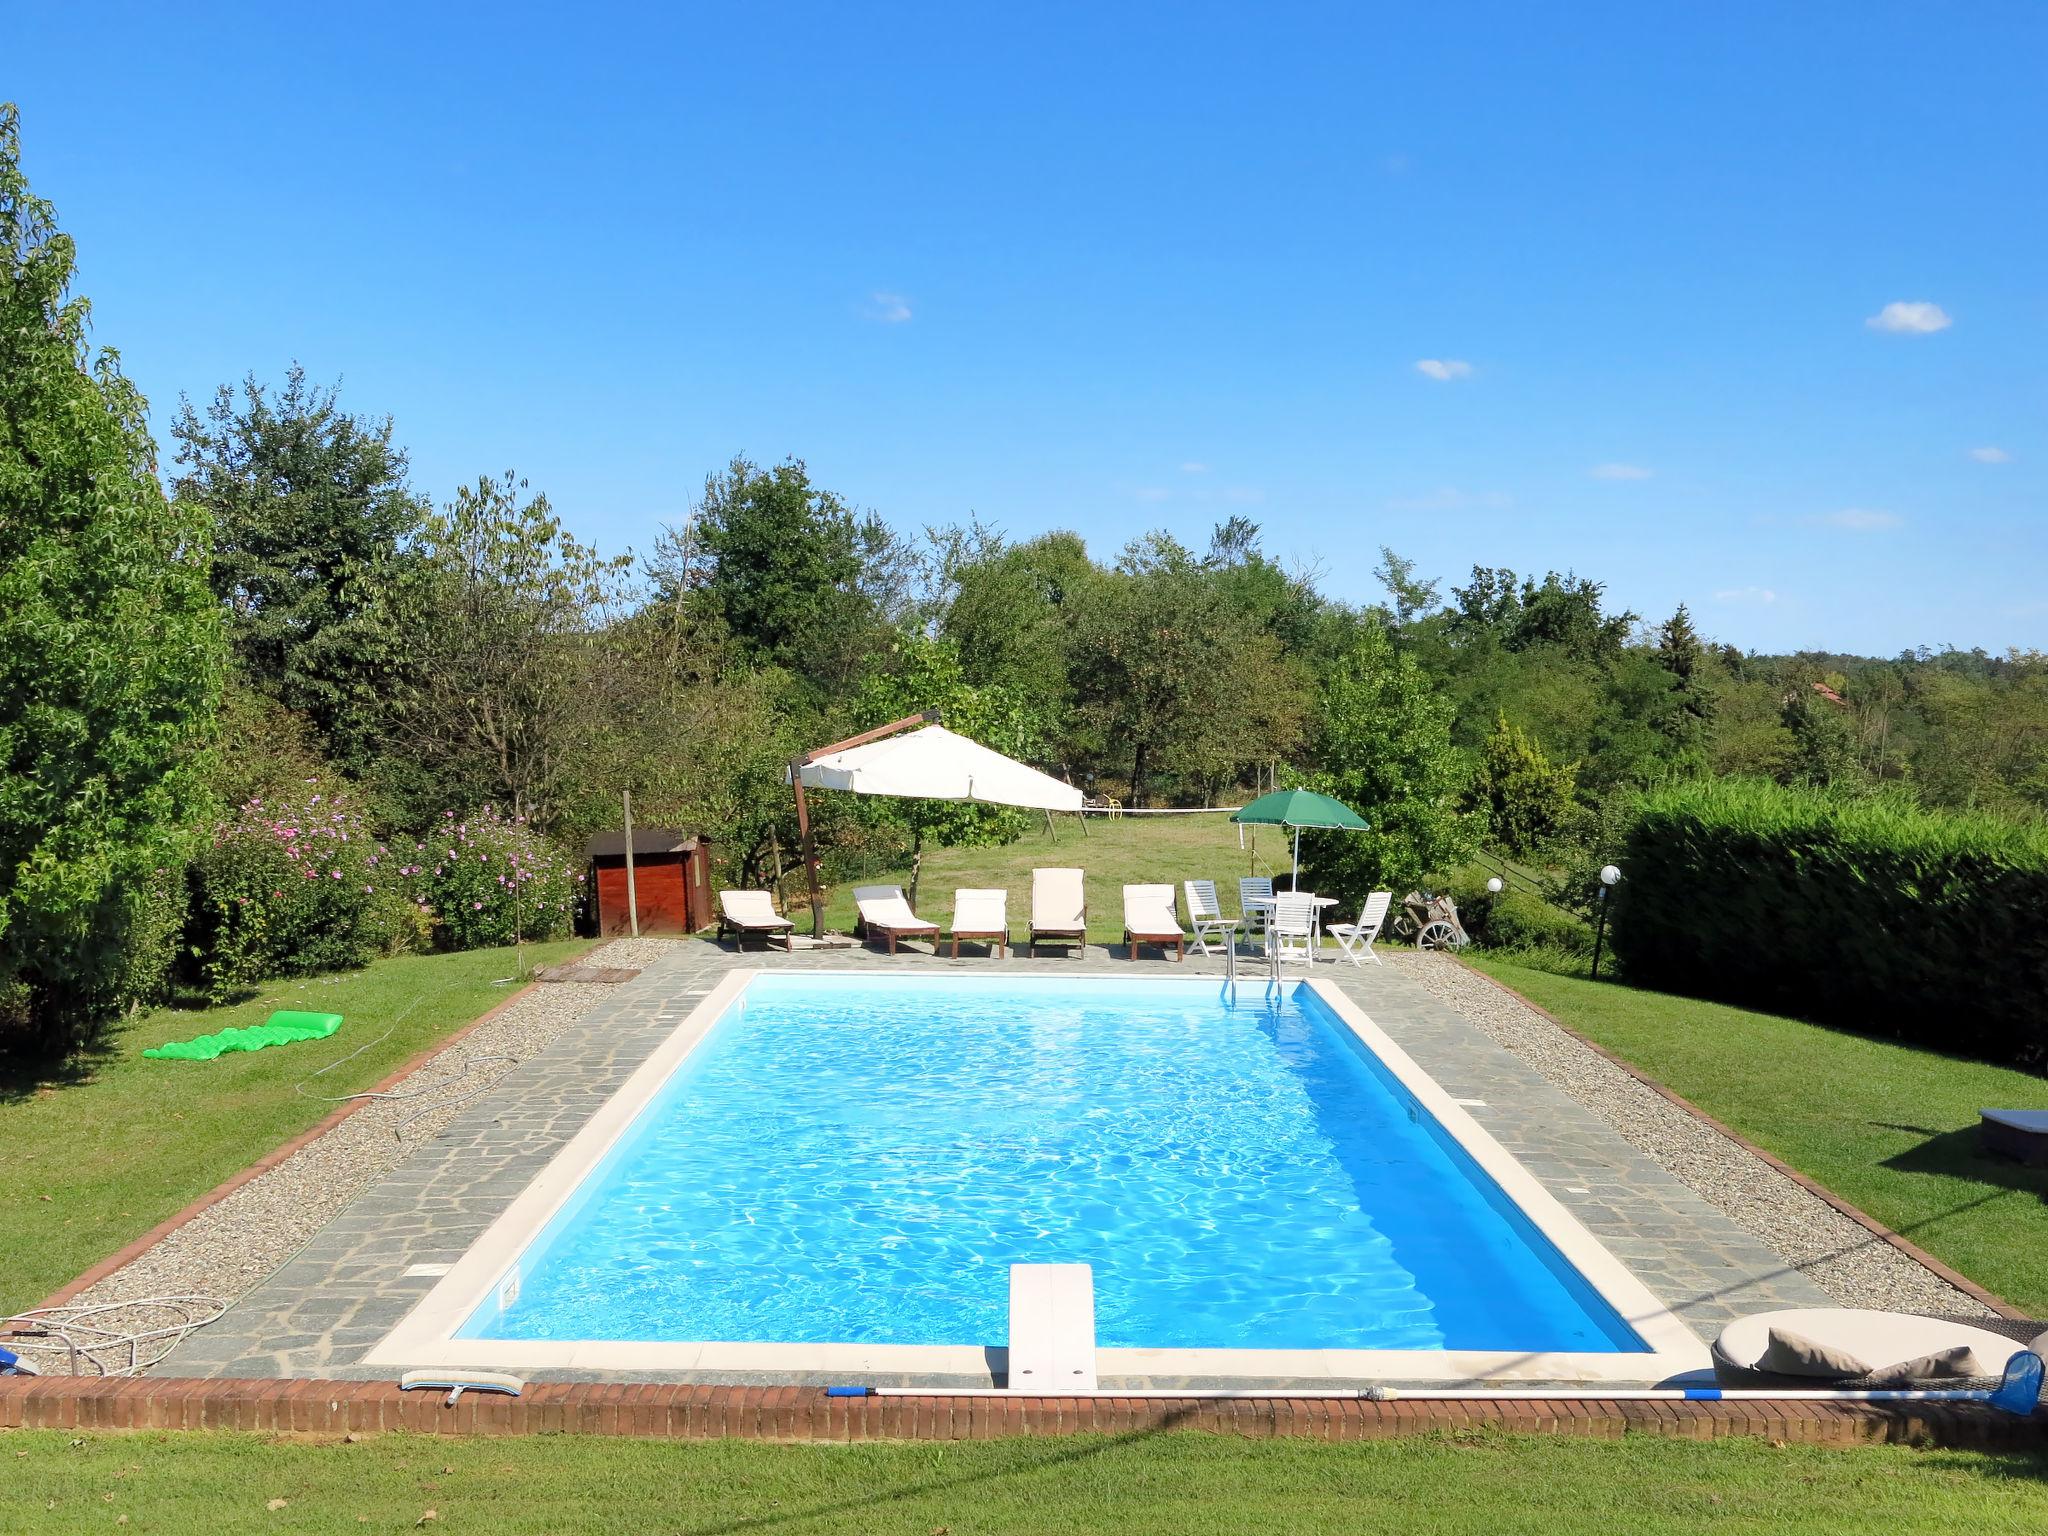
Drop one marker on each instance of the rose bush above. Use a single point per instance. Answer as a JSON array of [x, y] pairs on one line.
[[487, 879], [290, 886]]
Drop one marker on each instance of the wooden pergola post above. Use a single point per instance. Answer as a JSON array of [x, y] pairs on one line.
[[803, 814]]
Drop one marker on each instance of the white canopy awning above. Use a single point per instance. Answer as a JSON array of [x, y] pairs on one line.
[[935, 764]]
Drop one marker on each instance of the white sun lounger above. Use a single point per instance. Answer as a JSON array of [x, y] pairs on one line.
[[982, 916], [1149, 918], [745, 914], [1059, 906], [884, 911]]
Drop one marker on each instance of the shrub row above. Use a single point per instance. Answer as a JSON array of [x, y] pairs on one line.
[[299, 884], [1868, 914]]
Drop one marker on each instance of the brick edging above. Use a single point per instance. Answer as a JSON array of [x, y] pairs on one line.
[[1869, 1223], [128, 1253], [333, 1409]]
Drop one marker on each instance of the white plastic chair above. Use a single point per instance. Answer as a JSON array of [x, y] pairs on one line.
[[1205, 915], [1256, 919], [1294, 925], [1355, 939]]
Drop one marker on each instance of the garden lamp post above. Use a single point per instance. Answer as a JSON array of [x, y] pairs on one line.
[[1493, 884], [1608, 875]]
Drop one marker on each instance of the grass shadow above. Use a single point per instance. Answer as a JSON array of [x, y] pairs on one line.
[[1958, 1155]]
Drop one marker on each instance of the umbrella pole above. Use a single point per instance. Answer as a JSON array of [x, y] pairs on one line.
[[803, 827], [1295, 883]]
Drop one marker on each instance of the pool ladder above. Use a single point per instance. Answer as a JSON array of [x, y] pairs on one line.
[[1230, 964]]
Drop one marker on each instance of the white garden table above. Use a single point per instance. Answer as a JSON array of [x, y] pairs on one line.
[[1266, 904]]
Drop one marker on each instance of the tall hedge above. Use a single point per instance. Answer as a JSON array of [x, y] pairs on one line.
[[1868, 914]]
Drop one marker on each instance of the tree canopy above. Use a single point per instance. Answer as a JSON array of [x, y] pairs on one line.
[[110, 651]]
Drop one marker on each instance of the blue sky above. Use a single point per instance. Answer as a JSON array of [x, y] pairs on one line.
[[1117, 267]]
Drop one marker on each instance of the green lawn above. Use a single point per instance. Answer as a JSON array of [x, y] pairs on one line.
[[92, 1160], [215, 1485], [1132, 850], [1889, 1128]]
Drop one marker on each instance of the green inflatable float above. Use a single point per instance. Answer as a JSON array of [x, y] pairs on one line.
[[281, 1028]]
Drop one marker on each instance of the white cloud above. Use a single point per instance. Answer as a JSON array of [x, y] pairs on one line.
[[1194, 467], [1860, 519], [1443, 369], [1620, 472], [889, 308], [1990, 455], [1910, 317], [1448, 498], [1745, 595]]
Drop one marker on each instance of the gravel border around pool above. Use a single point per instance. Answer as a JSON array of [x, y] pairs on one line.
[[1844, 1258], [233, 1244]]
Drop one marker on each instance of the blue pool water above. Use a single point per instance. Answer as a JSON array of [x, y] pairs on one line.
[[861, 1159]]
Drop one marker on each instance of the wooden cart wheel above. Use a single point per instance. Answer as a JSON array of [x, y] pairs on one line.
[[1438, 935]]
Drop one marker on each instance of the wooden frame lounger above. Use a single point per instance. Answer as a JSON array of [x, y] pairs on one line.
[[1149, 918], [1059, 906], [981, 917], [884, 911], [744, 914]]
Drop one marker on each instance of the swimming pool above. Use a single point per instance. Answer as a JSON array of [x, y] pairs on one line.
[[823, 1170]]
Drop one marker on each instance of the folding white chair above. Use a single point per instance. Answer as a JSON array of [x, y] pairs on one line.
[[1205, 916], [1294, 925], [1355, 939], [1256, 919]]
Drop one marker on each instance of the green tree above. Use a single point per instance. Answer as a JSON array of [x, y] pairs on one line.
[[1176, 680], [799, 580], [1690, 714], [314, 552], [1012, 611], [522, 671], [1413, 597], [110, 647], [1524, 797], [1383, 738], [1823, 741]]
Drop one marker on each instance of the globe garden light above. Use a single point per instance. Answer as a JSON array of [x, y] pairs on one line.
[[1493, 885], [1609, 875]]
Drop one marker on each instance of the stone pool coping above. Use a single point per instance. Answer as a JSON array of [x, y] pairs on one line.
[[428, 1336]]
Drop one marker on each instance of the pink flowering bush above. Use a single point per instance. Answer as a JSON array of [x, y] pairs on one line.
[[487, 879], [290, 886]]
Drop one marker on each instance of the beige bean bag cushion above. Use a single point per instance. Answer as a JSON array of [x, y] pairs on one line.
[[1839, 1346]]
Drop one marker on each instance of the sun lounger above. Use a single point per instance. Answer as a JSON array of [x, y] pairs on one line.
[[1845, 1347], [883, 911], [1059, 906], [982, 916], [752, 914], [1149, 918]]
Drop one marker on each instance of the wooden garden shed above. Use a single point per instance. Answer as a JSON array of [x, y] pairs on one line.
[[671, 879]]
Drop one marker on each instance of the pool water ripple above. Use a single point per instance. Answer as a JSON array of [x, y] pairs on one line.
[[860, 1160]]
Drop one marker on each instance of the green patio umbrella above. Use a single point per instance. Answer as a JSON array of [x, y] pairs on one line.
[[1298, 808]]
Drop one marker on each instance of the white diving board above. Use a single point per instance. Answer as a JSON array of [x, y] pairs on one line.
[[1052, 1328]]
